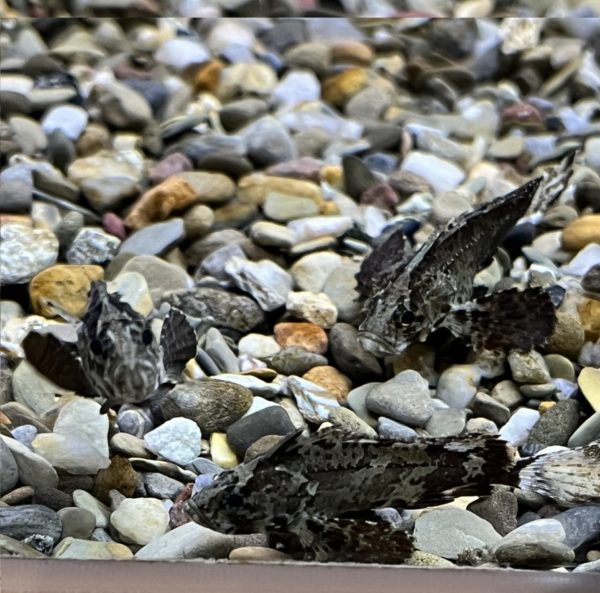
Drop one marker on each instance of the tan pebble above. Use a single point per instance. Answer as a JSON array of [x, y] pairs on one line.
[[207, 76], [589, 383], [257, 554], [255, 188], [331, 379], [329, 209], [568, 336], [220, 451], [67, 286], [351, 52], [339, 88], [545, 406], [309, 336], [210, 188], [333, 174], [589, 313], [581, 232]]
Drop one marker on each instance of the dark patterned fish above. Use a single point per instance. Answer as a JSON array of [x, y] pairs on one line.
[[115, 351], [408, 298], [311, 494]]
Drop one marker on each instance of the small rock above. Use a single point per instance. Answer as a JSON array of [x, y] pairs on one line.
[[283, 207], [314, 307], [581, 525], [340, 287], [92, 246], [330, 379], [28, 520], [554, 427], [449, 532], [589, 383], [404, 398], [155, 239], [446, 423], [296, 361], [13, 548], [270, 234], [499, 509], [81, 549], [128, 445], [140, 520], [213, 405], [507, 394], [71, 120], [441, 174], [84, 500], [198, 221], [72, 453], [108, 193], [9, 470], [560, 367], [528, 367], [458, 384], [348, 422], [534, 554], [33, 389], [268, 141], [581, 232], [257, 554], [517, 429], [259, 346], [76, 522], [162, 487], [307, 336], [587, 432], [220, 451], [119, 476], [349, 355], [314, 402], [134, 420], [123, 107], [133, 290], [33, 469], [177, 440], [273, 420], [486, 406], [310, 272], [220, 352], [568, 336], [81, 418], [388, 429]]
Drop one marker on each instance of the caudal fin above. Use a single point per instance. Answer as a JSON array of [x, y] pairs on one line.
[[512, 318], [571, 476]]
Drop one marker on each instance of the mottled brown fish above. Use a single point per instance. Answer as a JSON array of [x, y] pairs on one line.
[[315, 495]]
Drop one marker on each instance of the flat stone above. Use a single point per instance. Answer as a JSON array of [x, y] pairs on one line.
[[589, 383], [554, 427], [258, 346], [311, 271], [449, 532], [69, 119], [13, 548], [33, 389], [308, 336], [534, 554], [350, 356], [76, 522], [84, 500], [314, 402], [486, 406], [268, 141], [517, 429], [441, 174], [499, 509], [405, 398], [581, 524], [140, 520], [81, 549], [177, 440], [257, 554], [128, 445], [273, 420], [389, 429], [587, 432], [294, 360], [155, 239], [28, 520], [446, 423], [34, 470], [220, 352], [160, 486], [220, 451], [283, 208]]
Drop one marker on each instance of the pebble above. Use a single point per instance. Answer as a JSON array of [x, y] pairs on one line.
[[450, 532], [9, 470], [268, 142], [340, 287], [528, 367], [84, 500], [24, 252], [160, 486], [589, 383], [442, 175], [177, 440], [388, 429], [311, 271], [314, 307], [27, 520], [81, 549], [212, 405], [257, 554], [272, 420], [220, 451], [71, 120], [446, 423], [92, 246], [294, 360], [581, 525], [458, 385], [10, 547], [330, 379], [350, 356], [133, 420], [33, 390], [119, 476], [258, 346], [568, 336], [155, 239], [499, 509], [140, 520], [265, 281], [517, 429], [219, 351], [486, 406], [555, 426], [76, 522], [587, 432], [581, 232], [405, 398], [307, 336], [33, 469], [314, 402]]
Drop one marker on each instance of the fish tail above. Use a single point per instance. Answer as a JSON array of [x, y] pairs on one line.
[[570, 476]]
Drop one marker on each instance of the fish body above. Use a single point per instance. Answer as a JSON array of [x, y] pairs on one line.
[[315, 495]]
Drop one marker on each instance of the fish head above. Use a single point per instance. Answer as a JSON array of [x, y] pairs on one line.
[[391, 325], [119, 351]]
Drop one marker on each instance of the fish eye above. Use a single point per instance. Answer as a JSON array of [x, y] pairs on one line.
[[147, 337], [96, 347], [407, 317], [235, 500]]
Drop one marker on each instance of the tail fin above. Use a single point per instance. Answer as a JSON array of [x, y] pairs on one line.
[[571, 476], [506, 319], [554, 182], [178, 342]]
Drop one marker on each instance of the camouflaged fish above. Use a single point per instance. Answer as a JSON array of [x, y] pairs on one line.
[[115, 354], [314, 496], [407, 296]]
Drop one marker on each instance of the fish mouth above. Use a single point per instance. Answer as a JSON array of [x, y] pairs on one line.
[[376, 345]]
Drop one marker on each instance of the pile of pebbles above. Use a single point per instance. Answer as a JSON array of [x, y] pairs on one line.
[[241, 170]]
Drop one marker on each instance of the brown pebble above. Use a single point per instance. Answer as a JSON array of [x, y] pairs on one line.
[[581, 232], [19, 495], [331, 379], [352, 52], [589, 313], [306, 335], [257, 554], [119, 475], [208, 76], [339, 88], [261, 446]]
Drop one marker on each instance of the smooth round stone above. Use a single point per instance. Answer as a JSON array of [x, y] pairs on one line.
[[92, 246], [449, 532], [155, 239], [72, 453], [446, 423], [560, 367], [451, 204], [181, 52], [76, 522], [16, 187], [297, 86], [592, 566], [528, 367], [123, 107], [283, 208], [349, 355], [24, 252], [581, 232], [105, 164], [487, 407], [33, 469], [272, 420], [458, 384], [388, 429], [270, 234], [319, 227], [236, 114], [9, 470], [350, 423], [542, 390], [314, 307], [314, 402], [555, 426], [210, 188], [134, 420], [140, 520], [219, 351], [212, 405], [442, 175], [71, 120], [589, 383], [405, 398], [81, 549], [118, 476], [84, 500], [581, 525], [267, 282], [220, 451], [177, 440], [507, 394], [587, 432], [507, 148], [197, 221], [517, 429], [28, 520], [340, 287], [82, 418], [268, 142], [258, 346], [133, 290], [161, 276], [534, 554], [357, 402], [331, 379], [28, 134], [241, 79], [310, 272], [257, 554], [128, 445], [294, 360], [160, 486]]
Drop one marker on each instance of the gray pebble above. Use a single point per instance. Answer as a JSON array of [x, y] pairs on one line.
[[388, 429], [27, 520], [296, 361], [161, 486], [76, 522], [446, 423]]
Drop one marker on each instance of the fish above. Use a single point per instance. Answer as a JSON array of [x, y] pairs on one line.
[[115, 355], [316, 496], [407, 296]]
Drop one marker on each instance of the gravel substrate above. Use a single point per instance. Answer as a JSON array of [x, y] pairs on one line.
[[240, 170]]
